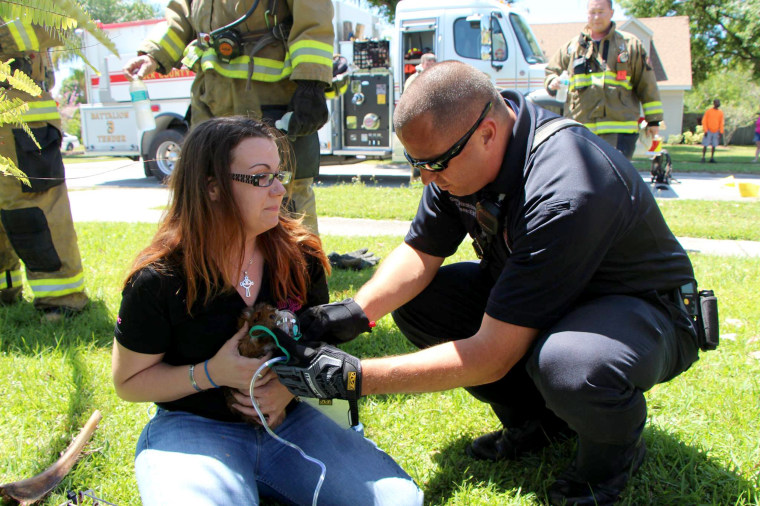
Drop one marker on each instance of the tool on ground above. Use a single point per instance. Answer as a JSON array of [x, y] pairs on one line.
[[33, 489]]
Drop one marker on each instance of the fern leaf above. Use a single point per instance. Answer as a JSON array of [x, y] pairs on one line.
[[9, 168], [23, 82], [62, 15], [11, 112]]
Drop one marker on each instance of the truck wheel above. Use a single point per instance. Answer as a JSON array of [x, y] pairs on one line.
[[163, 153], [70, 147]]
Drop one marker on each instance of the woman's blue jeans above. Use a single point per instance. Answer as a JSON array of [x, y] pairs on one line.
[[187, 459]]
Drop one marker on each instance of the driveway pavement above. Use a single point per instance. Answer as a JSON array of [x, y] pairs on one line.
[[119, 191]]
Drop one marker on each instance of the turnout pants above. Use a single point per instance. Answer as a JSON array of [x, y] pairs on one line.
[[35, 222], [590, 368], [625, 143], [216, 96]]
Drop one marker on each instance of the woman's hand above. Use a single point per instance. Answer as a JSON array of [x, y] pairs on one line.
[[271, 396], [229, 368]]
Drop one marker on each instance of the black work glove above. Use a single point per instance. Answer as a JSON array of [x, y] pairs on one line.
[[319, 370], [309, 109], [356, 260], [334, 323]]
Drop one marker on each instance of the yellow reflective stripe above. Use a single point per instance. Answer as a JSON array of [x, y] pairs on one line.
[[264, 69], [172, 44], [43, 110], [192, 54], [580, 81], [613, 127], [313, 44], [610, 78], [653, 108], [24, 36], [15, 279], [309, 51], [56, 287]]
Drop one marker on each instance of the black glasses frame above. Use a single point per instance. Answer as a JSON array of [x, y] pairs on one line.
[[263, 180], [442, 162]]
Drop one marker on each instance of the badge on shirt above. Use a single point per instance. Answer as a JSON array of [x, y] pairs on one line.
[[622, 57], [621, 75]]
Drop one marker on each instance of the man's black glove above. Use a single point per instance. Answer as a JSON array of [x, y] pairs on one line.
[[309, 109], [334, 323], [356, 260], [319, 370]]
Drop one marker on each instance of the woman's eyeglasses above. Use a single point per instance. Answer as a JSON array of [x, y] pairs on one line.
[[440, 163], [263, 180]]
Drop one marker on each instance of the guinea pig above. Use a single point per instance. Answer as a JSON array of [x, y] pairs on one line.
[[260, 343]]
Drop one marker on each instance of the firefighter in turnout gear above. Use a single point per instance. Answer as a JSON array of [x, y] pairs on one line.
[[35, 221], [259, 58], [610, 80]]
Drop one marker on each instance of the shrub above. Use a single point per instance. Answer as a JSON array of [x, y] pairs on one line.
[[694, 137]]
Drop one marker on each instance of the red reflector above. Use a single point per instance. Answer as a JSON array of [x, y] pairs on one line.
[[155, 107]]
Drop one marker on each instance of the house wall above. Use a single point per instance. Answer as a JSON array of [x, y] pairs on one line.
[[672, 105]]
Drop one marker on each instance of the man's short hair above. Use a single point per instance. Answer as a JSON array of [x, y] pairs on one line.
[[609, 2], [450, 91]]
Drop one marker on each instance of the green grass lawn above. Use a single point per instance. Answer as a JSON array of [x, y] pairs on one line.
[[687, 158], [703, 433], [709, 219]]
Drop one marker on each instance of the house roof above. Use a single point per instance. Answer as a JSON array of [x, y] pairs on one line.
[[669, 51]]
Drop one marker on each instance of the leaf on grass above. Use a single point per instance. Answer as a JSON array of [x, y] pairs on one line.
[[729, 337], [755, 355], [753, 339], [735, 322]]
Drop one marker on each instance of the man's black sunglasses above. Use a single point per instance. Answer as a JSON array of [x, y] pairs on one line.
[[262, 180], [440, 163]]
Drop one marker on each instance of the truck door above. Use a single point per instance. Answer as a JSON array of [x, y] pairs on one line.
[[418, 36], [480, 40]]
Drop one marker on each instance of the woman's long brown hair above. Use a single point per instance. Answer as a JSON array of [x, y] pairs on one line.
[[200, 235]]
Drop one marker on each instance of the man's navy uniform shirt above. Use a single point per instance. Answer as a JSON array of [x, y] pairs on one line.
[[578, 222]]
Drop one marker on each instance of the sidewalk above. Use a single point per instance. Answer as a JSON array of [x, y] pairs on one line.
[[119, 191], [147, 204]]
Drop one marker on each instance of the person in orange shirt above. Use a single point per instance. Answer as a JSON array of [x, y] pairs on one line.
[[712, 125]]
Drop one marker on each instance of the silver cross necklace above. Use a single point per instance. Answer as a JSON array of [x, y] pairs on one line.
[[247, 283]]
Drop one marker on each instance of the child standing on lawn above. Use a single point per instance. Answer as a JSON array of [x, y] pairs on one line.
[[713, 126]]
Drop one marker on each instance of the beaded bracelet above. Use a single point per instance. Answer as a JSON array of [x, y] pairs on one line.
[[192, 379], [205, 367]]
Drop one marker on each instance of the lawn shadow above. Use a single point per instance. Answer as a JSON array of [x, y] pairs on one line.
[[23, 330], [673, 473]]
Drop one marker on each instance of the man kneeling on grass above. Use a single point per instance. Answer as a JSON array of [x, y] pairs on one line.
[[573, 312]]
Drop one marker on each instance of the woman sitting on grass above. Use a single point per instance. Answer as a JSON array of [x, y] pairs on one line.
[[223, 245]]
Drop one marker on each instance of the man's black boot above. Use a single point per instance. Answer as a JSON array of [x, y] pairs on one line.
[[573, 488], [513, 442]]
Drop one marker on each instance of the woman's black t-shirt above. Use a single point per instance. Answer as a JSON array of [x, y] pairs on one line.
[[153, 319]]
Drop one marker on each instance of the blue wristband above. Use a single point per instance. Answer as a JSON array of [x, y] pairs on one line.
[[205, 368]]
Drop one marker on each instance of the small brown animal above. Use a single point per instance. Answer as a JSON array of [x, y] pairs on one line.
[[260, 343]]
